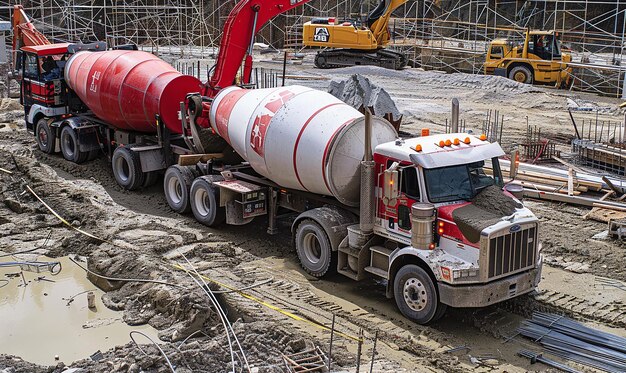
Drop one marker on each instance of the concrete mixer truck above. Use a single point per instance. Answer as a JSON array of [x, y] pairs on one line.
[[422, 214]]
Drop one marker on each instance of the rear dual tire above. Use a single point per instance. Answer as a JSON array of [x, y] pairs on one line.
[[70, 146], [204, 201], [176, 185], [45, 136], [126, 168], [314, 249]]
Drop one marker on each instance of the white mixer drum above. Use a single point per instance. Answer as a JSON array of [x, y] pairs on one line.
[[298, 137]]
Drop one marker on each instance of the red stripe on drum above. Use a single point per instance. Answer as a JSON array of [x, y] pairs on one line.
[[295, 148], [224, 110], [325, 156]]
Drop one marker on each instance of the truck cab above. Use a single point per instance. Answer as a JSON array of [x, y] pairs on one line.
[[449, 233], [40, 71], [535, 59]]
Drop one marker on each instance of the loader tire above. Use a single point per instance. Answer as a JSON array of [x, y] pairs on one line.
[[521, 74], [46, 138], [127, 168]]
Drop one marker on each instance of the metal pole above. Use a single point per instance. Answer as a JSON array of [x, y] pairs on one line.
[[284, 72], [454, 125]]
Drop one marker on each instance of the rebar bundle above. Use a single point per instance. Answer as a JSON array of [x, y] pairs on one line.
[[572, 340]]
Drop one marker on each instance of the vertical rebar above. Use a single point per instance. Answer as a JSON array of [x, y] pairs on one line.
[[358, 350], [330, 347], [374, 352]]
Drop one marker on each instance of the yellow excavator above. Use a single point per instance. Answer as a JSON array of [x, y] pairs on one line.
[[355, 42]]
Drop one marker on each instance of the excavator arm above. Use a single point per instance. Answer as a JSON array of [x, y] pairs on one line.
[[379, 26], [24, 32], [244, 21]]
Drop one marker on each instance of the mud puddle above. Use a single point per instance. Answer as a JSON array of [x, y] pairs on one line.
[[43, 318]]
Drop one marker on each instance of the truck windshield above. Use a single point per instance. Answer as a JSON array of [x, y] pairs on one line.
[[458, 182]]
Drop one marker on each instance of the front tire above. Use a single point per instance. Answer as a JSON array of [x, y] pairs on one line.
[[204, 200], [313, 248], [127, 168], [70, 147], [46, 138], [176, 184], [416, 296], [521, 74]]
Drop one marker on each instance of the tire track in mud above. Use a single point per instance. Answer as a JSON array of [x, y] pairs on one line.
[[421, 342], [612, 313]]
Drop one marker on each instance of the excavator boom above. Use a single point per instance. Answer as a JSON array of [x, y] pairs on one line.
[[24, 32], [380, 27], [244, 21]]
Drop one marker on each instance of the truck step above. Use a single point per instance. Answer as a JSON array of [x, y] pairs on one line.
[[377, 271], [381, 250], [349, 273]]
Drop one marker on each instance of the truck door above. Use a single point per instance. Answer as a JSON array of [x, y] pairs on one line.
[[399, 215], [30, 76]]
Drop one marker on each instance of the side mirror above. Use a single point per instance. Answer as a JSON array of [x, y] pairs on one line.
[[390, 188]]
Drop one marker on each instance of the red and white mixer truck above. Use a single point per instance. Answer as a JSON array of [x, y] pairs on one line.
[[420, 213]]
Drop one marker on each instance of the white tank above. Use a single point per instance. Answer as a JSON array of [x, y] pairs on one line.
[[298, 137]]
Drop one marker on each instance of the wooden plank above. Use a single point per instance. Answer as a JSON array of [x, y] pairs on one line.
[[574, 200], [193, 159], [565, 163]]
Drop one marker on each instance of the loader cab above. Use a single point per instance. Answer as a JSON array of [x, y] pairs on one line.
[[545, 45]]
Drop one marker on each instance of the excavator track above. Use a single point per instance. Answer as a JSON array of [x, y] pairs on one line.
[[334, 58]]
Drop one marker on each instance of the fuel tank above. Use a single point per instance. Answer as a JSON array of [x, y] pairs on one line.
[[127, 88], [298, 137]]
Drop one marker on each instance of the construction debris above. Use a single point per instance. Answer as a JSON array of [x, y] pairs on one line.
[[310, 360]]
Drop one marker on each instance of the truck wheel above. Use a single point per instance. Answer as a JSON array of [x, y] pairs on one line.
[[314, 249], [176, 184], [70, 147], [204, 200], [416, 295], [127, 168], [521, 74], [46, 139]]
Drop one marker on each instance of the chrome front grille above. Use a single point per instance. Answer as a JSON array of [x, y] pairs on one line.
[[510, 252]]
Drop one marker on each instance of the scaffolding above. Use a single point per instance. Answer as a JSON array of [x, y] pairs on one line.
[[450, 35], [453, 35]]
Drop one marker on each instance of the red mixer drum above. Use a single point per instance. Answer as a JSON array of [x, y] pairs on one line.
[[128, 88]]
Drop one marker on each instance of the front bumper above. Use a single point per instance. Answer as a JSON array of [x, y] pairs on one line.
[[491, 293]]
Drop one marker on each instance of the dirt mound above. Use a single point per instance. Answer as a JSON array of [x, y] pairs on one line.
[[486, 209], [359, 92]]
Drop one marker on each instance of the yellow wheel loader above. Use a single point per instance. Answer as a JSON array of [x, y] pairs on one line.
[[538, 59], [353, 42]]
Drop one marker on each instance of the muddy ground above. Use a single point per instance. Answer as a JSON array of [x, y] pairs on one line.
[[139, 237]]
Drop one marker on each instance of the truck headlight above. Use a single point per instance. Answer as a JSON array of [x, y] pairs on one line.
[[464, 273]]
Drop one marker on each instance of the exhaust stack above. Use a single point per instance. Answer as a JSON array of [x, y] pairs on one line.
[[366, 223]]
